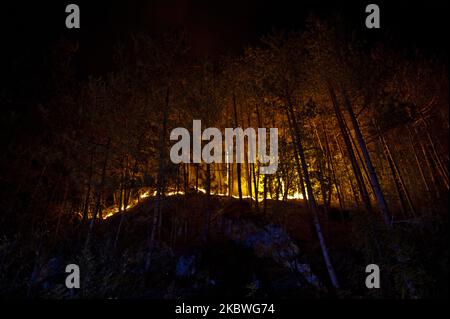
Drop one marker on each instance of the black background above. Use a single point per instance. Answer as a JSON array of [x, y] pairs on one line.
[[29, 28]]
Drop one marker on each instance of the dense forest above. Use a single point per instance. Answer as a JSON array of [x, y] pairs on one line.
[[362, 172]]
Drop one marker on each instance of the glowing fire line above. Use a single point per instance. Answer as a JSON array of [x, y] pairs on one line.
[[114, 209]]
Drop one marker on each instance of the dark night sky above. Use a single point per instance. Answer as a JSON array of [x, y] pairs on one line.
[[213, 27]]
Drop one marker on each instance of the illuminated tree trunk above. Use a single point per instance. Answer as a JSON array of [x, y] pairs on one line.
[[123, 215], [207, 209], [126, 188], [373, 176], [185, 178], [238, 165], [208, 179], [355, 166], [102, 183], [347, 173], [121, 193], [255, 185], [321, 159], [397, 174], [249, 180], [197, 167], [265, 194], [278, 187], [220, 172], [88, 192], [311, 199], [178, 180], [256, 172], [249, 170], [297, 160], [230, 179], [330, 160], [359, 159]]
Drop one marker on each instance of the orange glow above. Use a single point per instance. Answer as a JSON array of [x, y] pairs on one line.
[[112, 210]]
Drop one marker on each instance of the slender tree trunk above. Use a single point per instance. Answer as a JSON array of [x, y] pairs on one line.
[[230, 179], [121, 194], [333, 174], [252, 176], [311, 200], [160, 183], [278, 188], [296, 157], [373, 176], [356, 169], [102, 183], [255, 186], [127, 190], [359, 159], [256, 171], [419, 165], [347, 173], [208, 179], [249, 181], [394, 176], [265, 195], [88, 192], [207, 209], [430, 169], [396, 172], [437, 159], [63, 210], [186, 178], [322, 174], [238, 165], [123, 215], [197, 167]]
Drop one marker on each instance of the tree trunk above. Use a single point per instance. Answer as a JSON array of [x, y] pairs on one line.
[[419, 165], [160, 183], [347, 173], [373, 176], [102, 182], [322, 168], [265, 195], [396, 172], [437, 159], [333, 174], [355, 166], [185, 178], [207, 209], [88, 192], [238, 165], [430, 169], [297, 160], [311, 200]]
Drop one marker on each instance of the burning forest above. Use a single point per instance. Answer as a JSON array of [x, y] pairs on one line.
[[166, 161]]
